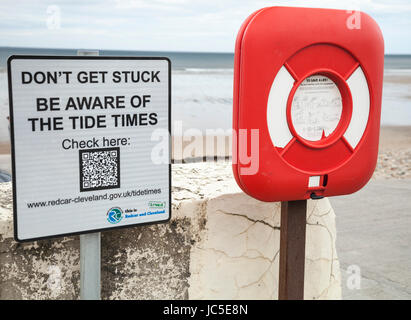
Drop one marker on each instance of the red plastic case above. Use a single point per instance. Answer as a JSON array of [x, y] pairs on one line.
[[276, 49]]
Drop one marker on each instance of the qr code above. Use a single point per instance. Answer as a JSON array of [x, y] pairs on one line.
[[99, 169]]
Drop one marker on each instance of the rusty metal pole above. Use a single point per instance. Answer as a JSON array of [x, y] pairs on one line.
[[292, 250]]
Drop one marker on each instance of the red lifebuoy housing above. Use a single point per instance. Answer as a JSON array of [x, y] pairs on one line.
[[312, 86]]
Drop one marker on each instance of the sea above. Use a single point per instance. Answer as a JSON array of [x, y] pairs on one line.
[[202, 87]]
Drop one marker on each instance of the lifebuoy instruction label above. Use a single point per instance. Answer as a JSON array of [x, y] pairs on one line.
[[316, 108], [90, 143]]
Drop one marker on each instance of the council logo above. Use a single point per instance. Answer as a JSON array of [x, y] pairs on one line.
[[157, 204], [114, 215]]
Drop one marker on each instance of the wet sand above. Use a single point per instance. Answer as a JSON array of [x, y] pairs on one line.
[[397, 78], [4, 148], [394, 156], [395, 137]]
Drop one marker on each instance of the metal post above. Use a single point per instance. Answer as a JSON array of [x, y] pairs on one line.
[[292, 250], [90, 259], [90, 249]]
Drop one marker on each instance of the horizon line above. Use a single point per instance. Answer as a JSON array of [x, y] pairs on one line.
[[146, 50]]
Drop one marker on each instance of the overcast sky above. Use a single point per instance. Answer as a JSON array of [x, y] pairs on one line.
[[167, 25]]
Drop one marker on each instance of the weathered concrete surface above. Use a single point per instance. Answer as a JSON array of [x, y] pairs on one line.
[[150, 262], [220, 244], [238, 258], [374, 237]]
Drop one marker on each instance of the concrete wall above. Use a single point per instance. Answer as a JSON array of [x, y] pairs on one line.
[[220, 244]]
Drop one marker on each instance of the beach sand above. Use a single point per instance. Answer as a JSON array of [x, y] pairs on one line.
[[394, 159], [397, 78], [4, 148], [395, 137], [394, 156]]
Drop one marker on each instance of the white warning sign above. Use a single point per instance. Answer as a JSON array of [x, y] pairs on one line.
[[90, 143]]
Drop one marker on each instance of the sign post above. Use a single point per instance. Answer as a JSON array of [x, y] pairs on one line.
[[292, 250], [90, 250], [90, 266]]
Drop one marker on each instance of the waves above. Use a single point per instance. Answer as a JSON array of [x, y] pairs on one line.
[[202, 92], [405, 72], [202, 71], [205, 99]]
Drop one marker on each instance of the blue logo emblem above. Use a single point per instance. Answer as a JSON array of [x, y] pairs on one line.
[[114, 215]]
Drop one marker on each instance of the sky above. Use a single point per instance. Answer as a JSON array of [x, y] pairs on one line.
[[168, 25]]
